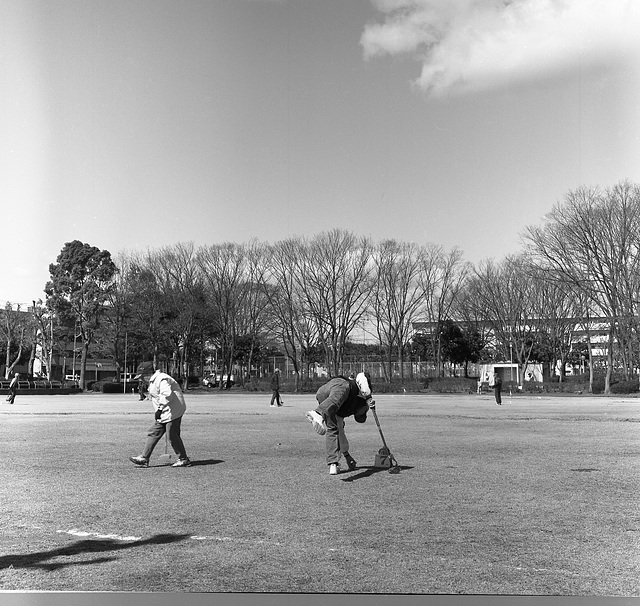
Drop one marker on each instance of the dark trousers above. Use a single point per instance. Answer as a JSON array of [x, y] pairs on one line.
[[276, 397], [332, 437], [498, 396], [12, 395], [157, 430]]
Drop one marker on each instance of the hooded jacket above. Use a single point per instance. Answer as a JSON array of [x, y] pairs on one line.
[[166, 396], [343, 396]]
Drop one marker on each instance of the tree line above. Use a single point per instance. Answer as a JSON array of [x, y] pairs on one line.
[[311, 298]]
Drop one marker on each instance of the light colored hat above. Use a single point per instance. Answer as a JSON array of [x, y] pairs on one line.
[[363, 384]]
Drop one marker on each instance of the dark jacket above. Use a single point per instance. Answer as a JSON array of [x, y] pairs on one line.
[[343, 396], [275, 381]]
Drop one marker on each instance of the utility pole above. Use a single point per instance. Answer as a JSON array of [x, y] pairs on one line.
[[125, 362], [51, 347]]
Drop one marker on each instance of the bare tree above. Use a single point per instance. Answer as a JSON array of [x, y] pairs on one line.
[[592, 240], [13, 329], [292, 323], [558, 309], [149, 310], [334, 276], [442, 278], [396, 297], [43, 322], [223, 268], [254, 316], [507, 296], [176, 271]]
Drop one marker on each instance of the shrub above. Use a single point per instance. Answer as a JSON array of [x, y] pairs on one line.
[[451, 385], [111, 387], [622, 387]]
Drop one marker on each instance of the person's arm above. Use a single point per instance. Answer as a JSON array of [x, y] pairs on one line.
[[160, 396]]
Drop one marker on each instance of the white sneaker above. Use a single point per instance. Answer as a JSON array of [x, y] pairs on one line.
[[182, 463], [334, 469], [317, 421]]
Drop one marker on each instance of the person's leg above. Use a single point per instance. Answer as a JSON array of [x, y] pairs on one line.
[[173, 427], [332, 440], [273, 397], [342, 436], [344, 444], [156, 431]]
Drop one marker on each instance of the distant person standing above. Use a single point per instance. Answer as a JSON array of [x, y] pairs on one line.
[[275, 388], [142, 389], [497, 388], [13, 388]]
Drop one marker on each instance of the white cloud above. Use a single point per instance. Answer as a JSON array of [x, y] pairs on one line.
[[475, 44]]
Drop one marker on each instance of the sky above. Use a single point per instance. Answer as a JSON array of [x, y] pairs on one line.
[[136, 125]]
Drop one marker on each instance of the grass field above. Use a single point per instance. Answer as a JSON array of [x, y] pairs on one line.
[[536, 497]]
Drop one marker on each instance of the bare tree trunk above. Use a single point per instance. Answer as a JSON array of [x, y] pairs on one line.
[[607, 377], [591, 372], [83, 363], [17, 358]]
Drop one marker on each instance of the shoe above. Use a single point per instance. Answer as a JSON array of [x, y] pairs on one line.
[[272, 405], [334, 469], [351, 463], [317, 421], [139, 461], [182, 463]]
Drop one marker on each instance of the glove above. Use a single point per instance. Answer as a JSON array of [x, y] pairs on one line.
[[158, 414], [371, 403]]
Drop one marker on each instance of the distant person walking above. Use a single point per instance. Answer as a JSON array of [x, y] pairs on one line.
[[13, 388], [275, 388], [497, 388], [168, 402]]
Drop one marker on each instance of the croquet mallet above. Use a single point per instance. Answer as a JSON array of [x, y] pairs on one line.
[[165, 459], [384, 458]]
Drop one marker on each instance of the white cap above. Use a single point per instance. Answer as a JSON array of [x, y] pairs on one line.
[[363, 385]]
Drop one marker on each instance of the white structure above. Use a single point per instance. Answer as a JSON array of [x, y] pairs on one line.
[[509, 372]]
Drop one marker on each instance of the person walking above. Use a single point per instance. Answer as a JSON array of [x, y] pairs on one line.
[[337, 399], [497, 388], [275, 389], [169, 405], [13, 388], [142, 390]]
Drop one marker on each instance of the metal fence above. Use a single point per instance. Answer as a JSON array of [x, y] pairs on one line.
[[379, 370]]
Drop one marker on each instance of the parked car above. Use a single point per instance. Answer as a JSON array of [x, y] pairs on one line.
[[210, 381], [214, 381]]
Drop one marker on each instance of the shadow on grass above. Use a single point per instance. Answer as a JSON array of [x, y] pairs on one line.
[[38, 559], [206, 462], [369, 471], [193, 463]]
